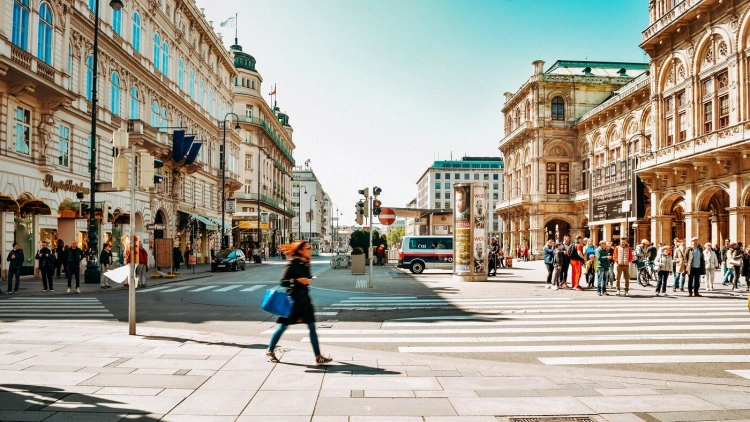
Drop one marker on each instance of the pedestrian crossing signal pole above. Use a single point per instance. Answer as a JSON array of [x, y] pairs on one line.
[[372, 255]]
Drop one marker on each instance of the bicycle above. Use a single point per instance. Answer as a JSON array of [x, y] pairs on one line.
[[341, 261], [646, 275]]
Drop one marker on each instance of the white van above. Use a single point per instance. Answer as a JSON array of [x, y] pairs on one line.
[[419, 253]]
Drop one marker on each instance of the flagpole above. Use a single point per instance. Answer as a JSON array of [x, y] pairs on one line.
[[235, 29]]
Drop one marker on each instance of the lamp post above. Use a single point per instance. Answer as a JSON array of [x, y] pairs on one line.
[[268, 155], [309, 236], [628, 182], [223, 176], [299, 213], [93, 274]]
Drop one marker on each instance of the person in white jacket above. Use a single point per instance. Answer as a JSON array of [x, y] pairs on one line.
[[712, 263]]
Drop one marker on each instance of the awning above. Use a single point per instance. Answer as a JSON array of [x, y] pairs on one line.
[[210, 224], [8, 204], [35, 206]]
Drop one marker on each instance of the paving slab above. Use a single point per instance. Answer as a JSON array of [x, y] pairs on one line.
[[135, 380], [711, 415], [214, 403], [330, 406], [173, 364], [43, 378], [293, 381], [496, 383], [382, 383], [519, 406], [85, 417], [236, 380], [24, 416], [196, 418], [282, 403], [124, 404], [659, 403], [726, 399]]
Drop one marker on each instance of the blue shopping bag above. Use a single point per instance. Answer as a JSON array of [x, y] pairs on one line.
[[277, 302]]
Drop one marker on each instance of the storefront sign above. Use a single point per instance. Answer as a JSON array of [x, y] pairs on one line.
[[66, 185]]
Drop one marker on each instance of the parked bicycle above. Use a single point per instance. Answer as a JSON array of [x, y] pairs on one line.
[[646, 275], [341, 261]]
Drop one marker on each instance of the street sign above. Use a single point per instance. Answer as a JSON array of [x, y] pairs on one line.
[[154, 226], [387, 216]]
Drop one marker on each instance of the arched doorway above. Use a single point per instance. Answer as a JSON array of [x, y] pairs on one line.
[[678, 222], [556, 229], [715, 201], [161, 218]]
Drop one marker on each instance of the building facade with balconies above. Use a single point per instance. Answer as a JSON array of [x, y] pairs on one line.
[[264, 210], [545, 171], [308, 196], [160, 66]]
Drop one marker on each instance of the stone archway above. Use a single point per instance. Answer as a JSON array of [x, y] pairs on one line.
[[556, 229], [713, 217], [161, 218]]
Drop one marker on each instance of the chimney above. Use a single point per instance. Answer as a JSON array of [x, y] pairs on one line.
[[538, 66]]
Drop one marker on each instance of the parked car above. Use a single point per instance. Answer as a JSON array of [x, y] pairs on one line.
[[228, 259]]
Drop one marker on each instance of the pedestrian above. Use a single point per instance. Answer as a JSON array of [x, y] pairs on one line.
[[623, 256], [16, 259], [296, 278], [549, 254], [678, 260], [662, 266], [590, 271], [501, 256], [565, 261], [590, 248], [105, 263], [73, 258], [575, 253], [557, 262], [712, 264], [492, 258], [381, 255], [46, 258], [640, 254], [695, 266], [176, 258], [723, 259], [187, 257], [59, 258], [746, 267], [734, 259], [611, 272], [603, 262], [140, 270]]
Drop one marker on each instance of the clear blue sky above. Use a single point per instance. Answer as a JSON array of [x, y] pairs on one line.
[[377, 90]]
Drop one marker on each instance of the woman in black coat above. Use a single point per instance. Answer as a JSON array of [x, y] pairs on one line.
[[296, 279]]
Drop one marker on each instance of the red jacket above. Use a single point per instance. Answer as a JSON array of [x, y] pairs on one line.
[[142, 256]]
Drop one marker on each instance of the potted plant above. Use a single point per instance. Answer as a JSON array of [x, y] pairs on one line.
[[358, 261]]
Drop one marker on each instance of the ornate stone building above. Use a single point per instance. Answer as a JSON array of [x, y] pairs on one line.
[[160, 67]]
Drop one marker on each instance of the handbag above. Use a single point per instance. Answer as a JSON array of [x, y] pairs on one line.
[[277, 302], [731, 261]]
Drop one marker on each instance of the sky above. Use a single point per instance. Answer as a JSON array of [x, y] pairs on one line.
[[377, 90]]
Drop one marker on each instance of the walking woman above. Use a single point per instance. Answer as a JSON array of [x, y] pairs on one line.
[[662, 266], [746, 267], [734, 265], [296, 279]]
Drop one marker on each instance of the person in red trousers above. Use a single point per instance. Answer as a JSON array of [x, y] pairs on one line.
[[576, 262]]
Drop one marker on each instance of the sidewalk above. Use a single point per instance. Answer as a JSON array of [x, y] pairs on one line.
[[58, 372], [34, 287]]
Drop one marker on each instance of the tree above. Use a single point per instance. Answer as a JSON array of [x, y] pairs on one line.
[[360, 239], [395, 236]]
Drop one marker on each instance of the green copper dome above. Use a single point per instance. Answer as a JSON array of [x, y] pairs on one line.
[[243, 60]]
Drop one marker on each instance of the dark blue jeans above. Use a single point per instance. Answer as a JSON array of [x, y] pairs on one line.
[[661, 283], [14, 271], [279, 331]]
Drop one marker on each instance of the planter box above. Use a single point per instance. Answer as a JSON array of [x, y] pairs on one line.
[[358, 264]]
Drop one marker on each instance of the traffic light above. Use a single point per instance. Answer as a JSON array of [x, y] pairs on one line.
[[360, 212], [364, 192], [147, 166], [120, 163], [158, 178], [376, 204], [376, 191], [84, 209]]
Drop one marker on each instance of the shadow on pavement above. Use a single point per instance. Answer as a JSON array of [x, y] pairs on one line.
[[35, 402], [209, 343], [345, 367]]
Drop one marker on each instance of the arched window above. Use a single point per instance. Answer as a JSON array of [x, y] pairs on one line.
[[20, 35], [202, 93], [558, 108], [181, 74], [92, 5], [89, 76], [44, 46], [163, 122], [527, 116], [114, 94], [165, 59], [211, 110], [117, 21], [135, 105], [192, 84], [70, 66], [155, 114], [157, 51], [136, 35]]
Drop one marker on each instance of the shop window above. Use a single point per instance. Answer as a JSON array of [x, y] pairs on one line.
[[63, 142], [20, 36], [23, 130], [558, 108]]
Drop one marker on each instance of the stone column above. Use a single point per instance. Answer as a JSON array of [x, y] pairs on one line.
[[595, 234], [742, 215], [607, 232], [661, 229], [723, 227], [735, 196], [643, 231], [701, 225]]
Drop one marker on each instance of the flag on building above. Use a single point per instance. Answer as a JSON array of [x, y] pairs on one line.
[[229, 23], [274, 91]]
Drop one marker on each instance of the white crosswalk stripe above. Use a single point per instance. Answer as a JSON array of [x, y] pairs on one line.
[[53, 308], [559, 331], [171, 288]]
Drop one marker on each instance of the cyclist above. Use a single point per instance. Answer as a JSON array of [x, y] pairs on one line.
[[640, 255]]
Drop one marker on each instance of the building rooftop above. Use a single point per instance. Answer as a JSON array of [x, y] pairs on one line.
[[471, 163], [592, 68]]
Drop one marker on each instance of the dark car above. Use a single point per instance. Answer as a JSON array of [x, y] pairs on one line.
[[228, 259]]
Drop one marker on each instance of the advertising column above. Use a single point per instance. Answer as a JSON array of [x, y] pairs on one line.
[[470, 232]]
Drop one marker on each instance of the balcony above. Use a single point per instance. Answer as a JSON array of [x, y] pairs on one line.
[[26, 73], [264, 199], [270, 132], [516, 136], [713, 142], [668, 23]]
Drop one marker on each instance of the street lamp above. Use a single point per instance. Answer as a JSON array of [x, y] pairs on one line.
[[299, 213], [309, 237], [268, 155], [223, 176], [92, 274]]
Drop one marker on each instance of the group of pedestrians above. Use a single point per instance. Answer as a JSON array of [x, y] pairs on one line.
[[608, 265]]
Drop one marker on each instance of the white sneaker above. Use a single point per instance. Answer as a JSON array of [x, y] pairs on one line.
[[78, 290], [626, 292], [68, 290], [657, 294], [554, 287], [549, 286], [618, 293]]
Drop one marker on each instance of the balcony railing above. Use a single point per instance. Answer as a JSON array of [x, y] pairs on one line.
[[714, 141], [668, 18], [515, 132], [21, 57], [271, 133], [263, 198], [642, 81]]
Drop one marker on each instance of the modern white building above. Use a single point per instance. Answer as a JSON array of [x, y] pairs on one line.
[[435, 191], [313, 205]]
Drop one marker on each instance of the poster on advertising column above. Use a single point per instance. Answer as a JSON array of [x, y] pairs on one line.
[[470, 226]]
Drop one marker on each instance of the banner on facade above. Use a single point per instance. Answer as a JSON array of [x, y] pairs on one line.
[[470, 231]]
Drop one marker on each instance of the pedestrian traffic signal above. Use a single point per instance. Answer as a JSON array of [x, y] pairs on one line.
[[376, 204], [360, 212], [84, 209], [147, 164]]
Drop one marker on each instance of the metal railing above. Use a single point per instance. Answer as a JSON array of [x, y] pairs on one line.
[[271, 133]]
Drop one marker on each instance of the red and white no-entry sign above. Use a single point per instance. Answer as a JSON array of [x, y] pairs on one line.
[[387, 216]]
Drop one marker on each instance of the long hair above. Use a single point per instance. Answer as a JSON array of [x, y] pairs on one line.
[[293, 249]]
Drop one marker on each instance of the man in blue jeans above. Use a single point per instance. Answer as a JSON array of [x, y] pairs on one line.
[[695, 266], [603, 258], [15, 257]]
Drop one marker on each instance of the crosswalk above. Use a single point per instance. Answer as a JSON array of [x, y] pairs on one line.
[[54, 308], [233, 288], [559, 330]]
